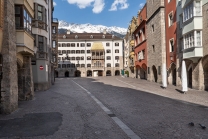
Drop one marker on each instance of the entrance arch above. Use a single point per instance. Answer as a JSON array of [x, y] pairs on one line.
[[154, 73], [108, 73], [172, 74], [77, 73], [56, 74], [117, 73], [89, 73], [67, 74]]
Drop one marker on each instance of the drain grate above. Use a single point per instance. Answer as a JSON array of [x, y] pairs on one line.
[[112, 115]]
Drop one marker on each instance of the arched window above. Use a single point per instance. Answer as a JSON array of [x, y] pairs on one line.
[[117, 65]]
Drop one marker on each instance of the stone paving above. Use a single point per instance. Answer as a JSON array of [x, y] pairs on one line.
[[68, 111]]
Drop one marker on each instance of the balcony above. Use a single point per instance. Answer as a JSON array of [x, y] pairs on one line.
[[98, 57], [132, 43], [132, 54], [25, 42], [193, 53]]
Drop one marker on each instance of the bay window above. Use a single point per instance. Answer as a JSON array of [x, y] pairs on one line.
[[193, 39]]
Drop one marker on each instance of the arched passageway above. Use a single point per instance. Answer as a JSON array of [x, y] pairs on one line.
[[56, 74], [89, 73], [77, 73], [67, 74], [190, 78], [154, 73], [117, 73], [108, 73]]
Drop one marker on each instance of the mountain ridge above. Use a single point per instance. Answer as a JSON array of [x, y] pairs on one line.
[[89, 28]]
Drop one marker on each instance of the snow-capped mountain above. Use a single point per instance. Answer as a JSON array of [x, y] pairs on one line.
[[89, 28]]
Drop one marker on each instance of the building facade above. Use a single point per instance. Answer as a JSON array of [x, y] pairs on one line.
[[140, 47], [156, 44], [89, 54], [41, 29], [192, 19]]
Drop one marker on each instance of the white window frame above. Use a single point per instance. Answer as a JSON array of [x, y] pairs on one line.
[[170, 21], [170, 46]]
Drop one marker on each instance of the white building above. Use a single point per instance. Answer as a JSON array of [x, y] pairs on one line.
[[89, 54]]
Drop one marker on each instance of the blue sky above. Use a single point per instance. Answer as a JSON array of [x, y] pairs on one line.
[[98, 12]]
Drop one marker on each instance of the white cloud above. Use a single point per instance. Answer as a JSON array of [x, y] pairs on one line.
[[54, 4], [123, 5], [141, 5], [98, 5]]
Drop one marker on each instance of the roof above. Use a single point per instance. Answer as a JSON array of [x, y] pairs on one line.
[[97, 46], [88, 36]]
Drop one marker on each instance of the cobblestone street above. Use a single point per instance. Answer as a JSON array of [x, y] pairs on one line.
[[108, 108]]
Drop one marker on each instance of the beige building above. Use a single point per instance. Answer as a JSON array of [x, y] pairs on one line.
[[89, 54], [156, 45]]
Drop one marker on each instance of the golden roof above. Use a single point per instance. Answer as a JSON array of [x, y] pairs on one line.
[[97, 46]]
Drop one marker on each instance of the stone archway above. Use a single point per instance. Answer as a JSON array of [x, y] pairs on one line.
[[154, 73], [89, 73], [77, 73], [67, 74], [56, 74], [117, 73], [190, 78], [108, 73]]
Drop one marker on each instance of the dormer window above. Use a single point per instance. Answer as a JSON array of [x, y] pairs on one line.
[[91, 37], [64, 36], [103, 36], [76, 37], [112, 36]]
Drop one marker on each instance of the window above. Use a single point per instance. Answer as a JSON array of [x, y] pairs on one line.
[[68, 44], [63, 45], [198, 11], [82, 45], [73, 45], [68, 65], [91, 36], [88, 44], [76, 37], [108, 58], [170, 19], [89, 58], [116, 57], [198, 38], [188, 12], [40, 12], [88, 51], [171, 43], [88, 65], [53, 29], [73, 51], [108, 65], [63, 51], [23, 19], [59, 51], [153, 28], [153, 48], [77, 58], [103, 37], [77, 65], [77, 44], [77, 51], [68, 51], [40, 43], [116, 51], [190, 38], [117, 65], [107, 44], [82, 58], [82, 51], [54, 44], [116, 44], [59, 65], [108, 51], [82, 65], [73, 58], [63, 65], [59, 45]]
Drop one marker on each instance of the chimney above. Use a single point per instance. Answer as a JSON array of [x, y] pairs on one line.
[[68, 31], [104, 31]]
